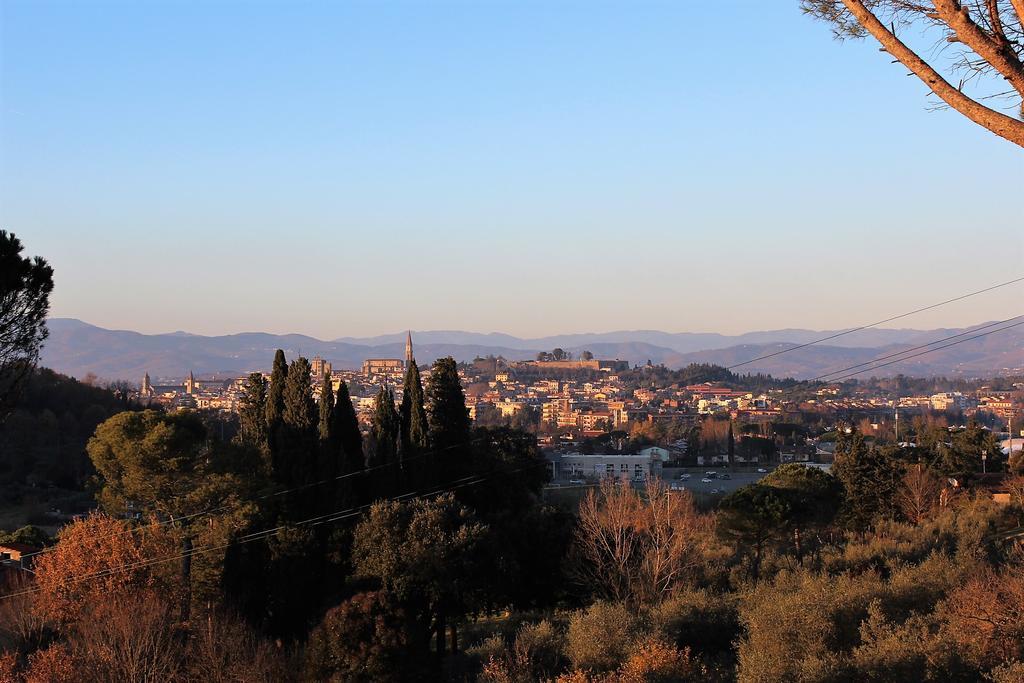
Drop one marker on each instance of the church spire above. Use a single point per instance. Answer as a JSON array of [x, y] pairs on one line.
[[408, 348]]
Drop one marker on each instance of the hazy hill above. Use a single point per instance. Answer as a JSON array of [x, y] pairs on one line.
[[77, 348]]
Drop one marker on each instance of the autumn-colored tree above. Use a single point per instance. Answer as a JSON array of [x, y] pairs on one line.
[[986, 615], [653, 660], [54, 664], [166, 466], [98, 558], [638, 547], [986, 54], [8, 667]]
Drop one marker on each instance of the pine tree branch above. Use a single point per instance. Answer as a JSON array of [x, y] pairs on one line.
[[1002, 125], [994, 49]]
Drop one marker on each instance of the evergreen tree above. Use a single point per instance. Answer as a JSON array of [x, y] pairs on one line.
[[328, 456], [413, 412], [385, 428], [299, 410], [275, 410], [326, 425], [448, 417], [252, 414], [965, 454], [275, 397], [449, 424], [298, 421], [870, 479], [346, 430]]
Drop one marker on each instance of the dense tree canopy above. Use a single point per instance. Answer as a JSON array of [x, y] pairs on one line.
[[25, 287]]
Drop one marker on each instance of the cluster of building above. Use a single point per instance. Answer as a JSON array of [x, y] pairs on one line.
[[578, 399]]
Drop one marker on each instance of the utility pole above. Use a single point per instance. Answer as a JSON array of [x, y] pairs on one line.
[[1009, 428], [896, 408]]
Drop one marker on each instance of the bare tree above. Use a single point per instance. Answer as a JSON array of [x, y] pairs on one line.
[[638, 547], [129, 638], [975, 42], [22, 628], [918, 494], [1015, 485]]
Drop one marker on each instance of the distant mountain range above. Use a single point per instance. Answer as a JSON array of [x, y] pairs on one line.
[[77, 348]]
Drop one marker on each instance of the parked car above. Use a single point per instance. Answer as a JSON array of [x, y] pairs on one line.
[[684, 476], [761, 470], [705, 480], [715, 491], [577, 481], [724, 475]]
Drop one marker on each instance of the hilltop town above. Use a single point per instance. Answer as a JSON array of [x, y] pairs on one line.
[[648, 420]]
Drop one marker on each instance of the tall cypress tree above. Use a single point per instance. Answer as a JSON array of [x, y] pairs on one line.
[[326, 424], [413, 412], [275, 398], [299, 426], [448, 420], [275, 410], [385, 428], [346, 429], [448, 417], [252, 414], [328, 460]]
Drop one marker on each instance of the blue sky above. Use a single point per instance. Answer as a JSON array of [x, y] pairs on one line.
[[359, 168]]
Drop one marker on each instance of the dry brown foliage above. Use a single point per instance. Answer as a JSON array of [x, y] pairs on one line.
[[128, 638], [55, 664], [100, 557], [651, 660], [225, 649], [986, 616], [22, 628], [638, 547], [8, 666], [1015, 485]]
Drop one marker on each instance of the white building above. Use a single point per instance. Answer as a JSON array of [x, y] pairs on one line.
[[628, 467]]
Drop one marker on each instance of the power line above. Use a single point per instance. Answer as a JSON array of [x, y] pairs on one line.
[[874, 324], [338, 515], [916, 348], [900, 360], [274, 494]]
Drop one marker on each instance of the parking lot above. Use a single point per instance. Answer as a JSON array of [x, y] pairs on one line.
[[572, 491], [737, 478]]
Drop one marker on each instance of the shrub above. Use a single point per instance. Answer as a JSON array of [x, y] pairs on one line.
[[362, 639], [699, 620], [599, 638]]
